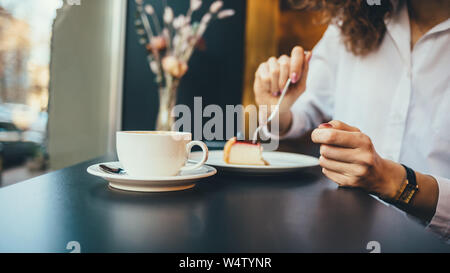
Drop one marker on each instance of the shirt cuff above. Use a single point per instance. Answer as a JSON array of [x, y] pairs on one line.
[[298, 128], [441, 219]]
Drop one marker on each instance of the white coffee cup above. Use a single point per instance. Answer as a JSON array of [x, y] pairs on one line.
[[147, 154]]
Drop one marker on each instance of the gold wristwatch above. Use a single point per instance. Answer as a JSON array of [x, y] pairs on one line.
[[408, 189]]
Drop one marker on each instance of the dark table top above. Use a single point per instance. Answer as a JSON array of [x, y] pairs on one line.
[[304, 212]]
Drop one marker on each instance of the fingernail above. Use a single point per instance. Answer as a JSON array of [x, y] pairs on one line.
[[325, 125], [275, 94], [294, 77]]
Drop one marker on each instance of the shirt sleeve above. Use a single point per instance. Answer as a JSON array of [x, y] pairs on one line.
[[441, 220], [316, 104]]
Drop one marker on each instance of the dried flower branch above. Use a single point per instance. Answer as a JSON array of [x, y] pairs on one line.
[[171, 47]]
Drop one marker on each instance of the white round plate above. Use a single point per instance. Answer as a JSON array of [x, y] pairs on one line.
[[183, 181], [279, 162]]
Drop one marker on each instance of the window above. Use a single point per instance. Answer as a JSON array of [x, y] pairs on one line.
[[25, 39]]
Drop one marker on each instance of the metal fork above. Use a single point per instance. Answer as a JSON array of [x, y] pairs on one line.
[[274, 113]]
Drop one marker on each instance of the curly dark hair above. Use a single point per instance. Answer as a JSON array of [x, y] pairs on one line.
[[361, 21]]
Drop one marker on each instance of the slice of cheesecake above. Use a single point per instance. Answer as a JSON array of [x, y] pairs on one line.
[[243, 153]]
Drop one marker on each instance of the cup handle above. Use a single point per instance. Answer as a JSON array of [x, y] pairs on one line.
[[204, 157]]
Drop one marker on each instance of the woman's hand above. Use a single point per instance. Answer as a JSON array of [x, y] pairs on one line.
[[348, 158], [271, 77]]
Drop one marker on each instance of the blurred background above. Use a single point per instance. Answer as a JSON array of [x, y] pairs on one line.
[[25, 38], [72, 73]]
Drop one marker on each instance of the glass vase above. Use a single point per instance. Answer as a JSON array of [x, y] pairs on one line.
[[167, 101]]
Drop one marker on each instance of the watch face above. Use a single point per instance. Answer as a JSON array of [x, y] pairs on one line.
[[408, 192]]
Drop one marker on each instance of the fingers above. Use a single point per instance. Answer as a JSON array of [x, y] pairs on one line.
[[348, 169], [296, 65], [272, 75], [275, 74], [340, 154], [284, 63], [336, 166], [263, 81], [356, 155], [342, 126], [338, 138], [304, 75], [338, 178]]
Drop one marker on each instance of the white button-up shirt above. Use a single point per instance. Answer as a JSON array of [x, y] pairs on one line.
[[398, 97]]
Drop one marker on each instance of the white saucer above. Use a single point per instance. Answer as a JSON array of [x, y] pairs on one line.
[[279, 162], [182, 181]]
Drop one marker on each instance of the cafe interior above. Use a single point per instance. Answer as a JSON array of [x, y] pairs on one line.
[[85, 84]]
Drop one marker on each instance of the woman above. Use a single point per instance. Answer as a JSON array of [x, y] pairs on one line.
[[382, 73]]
